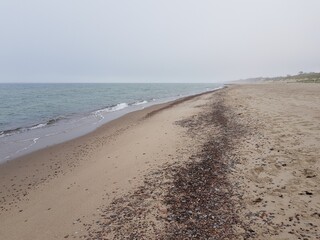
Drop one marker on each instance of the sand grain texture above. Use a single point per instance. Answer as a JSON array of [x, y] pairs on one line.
[[238, 163], [279, 161]]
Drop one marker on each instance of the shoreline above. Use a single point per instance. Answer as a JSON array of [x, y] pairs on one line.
[[240, 163], [35, 141], [109, 160]]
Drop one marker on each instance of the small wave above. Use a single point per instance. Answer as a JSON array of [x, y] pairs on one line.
[[10, 132], [140, 103], [54, 120], [38, 126], [217, 88], [117, 107], [113, 108], [49, 122]]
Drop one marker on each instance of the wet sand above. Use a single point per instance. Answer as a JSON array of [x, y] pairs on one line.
[[241, 162]]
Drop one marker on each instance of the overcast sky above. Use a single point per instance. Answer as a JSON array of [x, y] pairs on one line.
[[156, 40]]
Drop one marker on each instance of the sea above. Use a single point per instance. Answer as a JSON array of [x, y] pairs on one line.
[[34, 116]]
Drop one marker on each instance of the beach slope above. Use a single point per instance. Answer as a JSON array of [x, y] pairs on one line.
[[237, 163]]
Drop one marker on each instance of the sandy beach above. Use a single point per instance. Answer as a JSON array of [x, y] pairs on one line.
[[237, 163], [278, 168]]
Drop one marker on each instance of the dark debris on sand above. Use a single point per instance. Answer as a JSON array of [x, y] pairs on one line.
[[193, 200], [200, 203]]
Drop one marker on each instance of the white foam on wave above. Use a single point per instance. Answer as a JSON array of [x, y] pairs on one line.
[[140, 103], [5, 134], [99, 113], [214, 89], [34, 141], [19, 130], [118, 107], [113, 109], [38, 126]]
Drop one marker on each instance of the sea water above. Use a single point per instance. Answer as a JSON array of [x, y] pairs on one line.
[[33, 116]]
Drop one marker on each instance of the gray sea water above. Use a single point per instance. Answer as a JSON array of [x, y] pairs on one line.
[[33, 116]]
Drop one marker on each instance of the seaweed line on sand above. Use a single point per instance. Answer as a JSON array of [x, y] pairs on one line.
[[184, 200]]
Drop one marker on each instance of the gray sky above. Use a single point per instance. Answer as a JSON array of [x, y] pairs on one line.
[[156, 40]]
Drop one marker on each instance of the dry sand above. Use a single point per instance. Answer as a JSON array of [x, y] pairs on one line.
[[238, 163], [279, 161]]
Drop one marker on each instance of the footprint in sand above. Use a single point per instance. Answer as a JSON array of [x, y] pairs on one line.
[[309, 173]]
